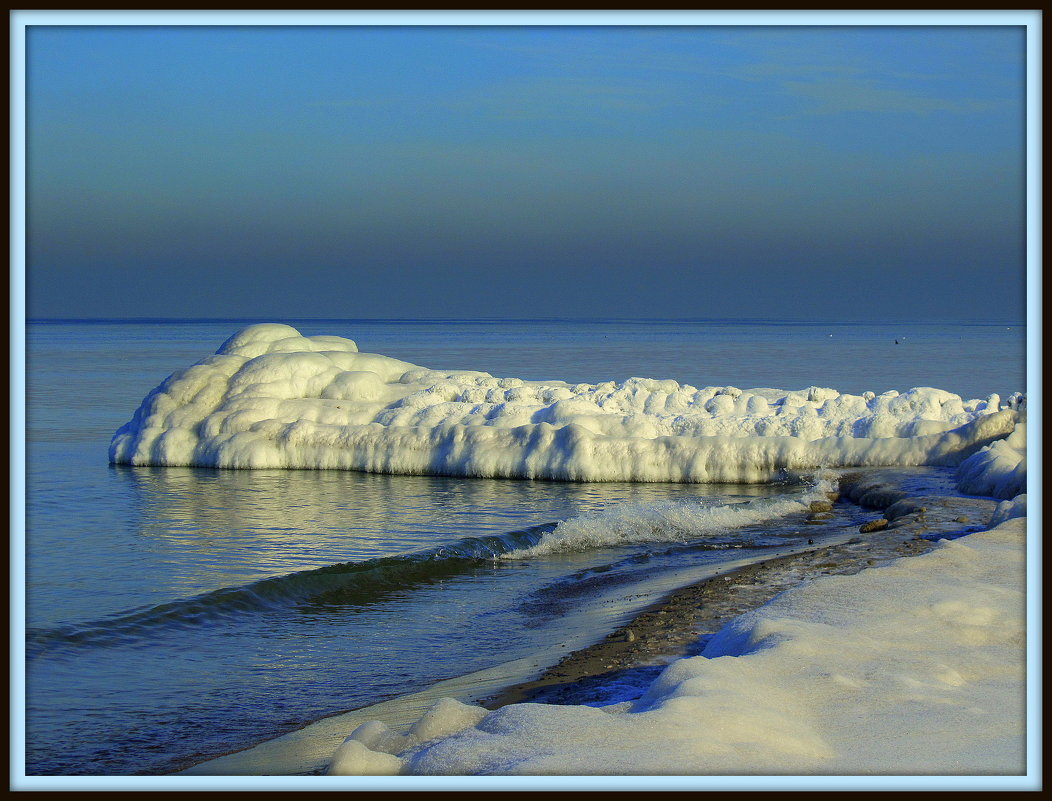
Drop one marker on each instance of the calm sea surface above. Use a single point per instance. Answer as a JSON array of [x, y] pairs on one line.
[[174, 614]]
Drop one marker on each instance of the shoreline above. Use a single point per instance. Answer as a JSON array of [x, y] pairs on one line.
[[681, 623], [676, 625]]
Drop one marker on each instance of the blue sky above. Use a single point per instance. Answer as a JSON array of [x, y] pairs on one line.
[[290, 172]]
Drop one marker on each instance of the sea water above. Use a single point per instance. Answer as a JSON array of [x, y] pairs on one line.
[[174, 614]]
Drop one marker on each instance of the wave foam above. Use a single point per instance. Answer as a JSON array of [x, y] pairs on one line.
[[667, 521]]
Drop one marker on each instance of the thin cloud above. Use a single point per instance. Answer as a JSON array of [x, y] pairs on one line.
[[866, 95], [541, 99], [570, 98]]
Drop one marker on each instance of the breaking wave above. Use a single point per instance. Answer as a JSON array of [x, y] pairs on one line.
[[669, 521], [355, 583], [342, 584]]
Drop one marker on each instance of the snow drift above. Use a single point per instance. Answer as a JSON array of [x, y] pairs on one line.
[[917, 667], [998, 469], [272, 398]]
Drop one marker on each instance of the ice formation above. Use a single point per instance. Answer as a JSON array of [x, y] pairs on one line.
[[1006, 510], [998, 469], [272, 398], [917, 667]]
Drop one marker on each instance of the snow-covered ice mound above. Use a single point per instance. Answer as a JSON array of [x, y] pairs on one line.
[[998, 470], [272, 398]]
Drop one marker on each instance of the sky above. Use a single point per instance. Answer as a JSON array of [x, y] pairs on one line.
[[827, 173]]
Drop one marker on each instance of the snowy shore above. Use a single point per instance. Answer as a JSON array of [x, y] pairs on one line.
[[916, 667], [913, 668], [680, 625]]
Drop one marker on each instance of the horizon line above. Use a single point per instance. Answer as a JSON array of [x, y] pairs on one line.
[[481, 319]]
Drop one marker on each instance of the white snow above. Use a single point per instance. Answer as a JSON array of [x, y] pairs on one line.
[[917, 667], [1006, 510], [998, 469], [271, 397]]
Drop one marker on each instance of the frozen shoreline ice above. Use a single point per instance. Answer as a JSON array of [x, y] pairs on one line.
[[271, 398]]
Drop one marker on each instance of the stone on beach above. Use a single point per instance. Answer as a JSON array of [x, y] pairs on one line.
[[873, 525]]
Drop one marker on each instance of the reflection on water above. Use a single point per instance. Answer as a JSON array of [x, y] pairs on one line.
[[149, 697], [218, 528]]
